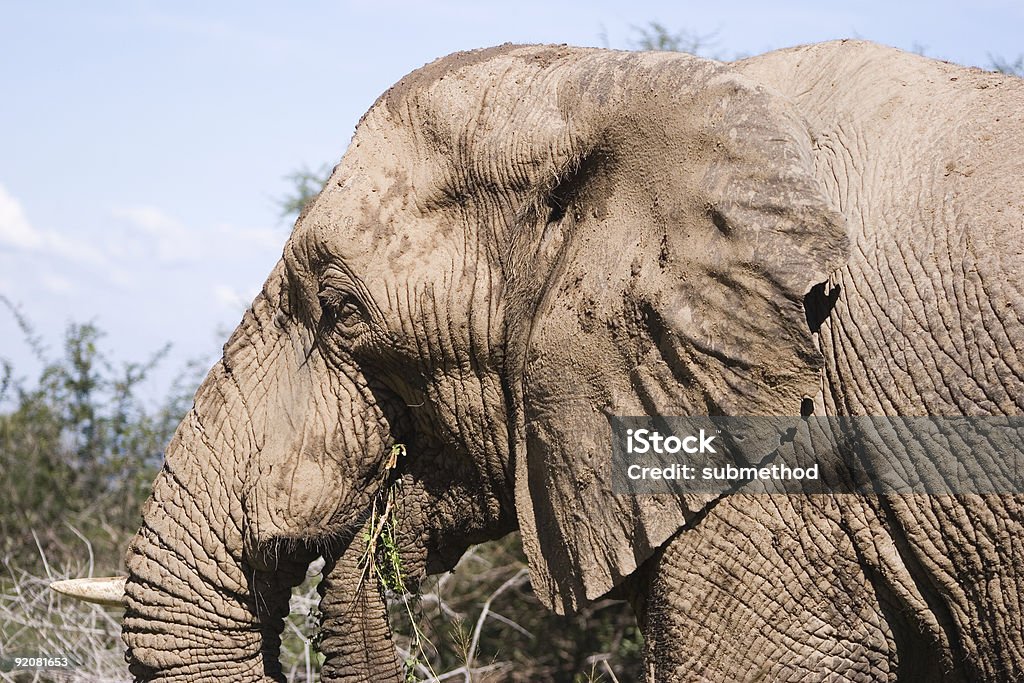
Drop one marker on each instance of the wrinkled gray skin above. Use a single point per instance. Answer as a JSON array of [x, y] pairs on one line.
[[521, 240]]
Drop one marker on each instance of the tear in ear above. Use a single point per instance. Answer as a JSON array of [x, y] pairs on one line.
[[818, 304]]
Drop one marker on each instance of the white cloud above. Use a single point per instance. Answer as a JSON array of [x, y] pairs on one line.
[[167, 240], [149, 218], [134, 248], [260, 238], [229, 297], [15, 230], [74, 250], [155, 234], [55, 283]]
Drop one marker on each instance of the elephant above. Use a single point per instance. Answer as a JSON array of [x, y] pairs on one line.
[[523, 240]]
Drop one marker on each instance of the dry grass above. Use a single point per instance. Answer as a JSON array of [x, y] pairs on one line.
[[36, 622], [467, 621]]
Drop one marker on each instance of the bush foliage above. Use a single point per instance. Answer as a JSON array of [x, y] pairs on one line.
[[79, 447]]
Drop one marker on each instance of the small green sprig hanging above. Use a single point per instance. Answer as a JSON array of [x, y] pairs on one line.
[[383, 559]]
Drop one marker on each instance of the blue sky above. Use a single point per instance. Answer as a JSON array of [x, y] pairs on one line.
[[143, 145]]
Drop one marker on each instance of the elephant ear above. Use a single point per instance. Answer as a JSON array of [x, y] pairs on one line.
[[665, 274]]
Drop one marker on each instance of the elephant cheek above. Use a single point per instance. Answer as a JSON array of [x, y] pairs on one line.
[[298, 499], [305, 477]]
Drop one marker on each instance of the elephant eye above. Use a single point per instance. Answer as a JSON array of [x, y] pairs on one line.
[[340, 313]]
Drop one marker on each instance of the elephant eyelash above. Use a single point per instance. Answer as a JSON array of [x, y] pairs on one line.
[[342, 317], [337, 309]]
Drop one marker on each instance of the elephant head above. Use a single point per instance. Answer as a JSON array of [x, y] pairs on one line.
[[519, 242]]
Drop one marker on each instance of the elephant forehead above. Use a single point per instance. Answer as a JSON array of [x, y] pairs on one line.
[[493, 126], [368, 206], [398, 95], [469, 127], [459, 72]]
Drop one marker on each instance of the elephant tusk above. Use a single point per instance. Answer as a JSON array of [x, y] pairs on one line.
[[105, 591]]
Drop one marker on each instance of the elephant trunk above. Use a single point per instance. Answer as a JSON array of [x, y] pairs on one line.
[[278, 454], [356, 636], [199, 603]]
